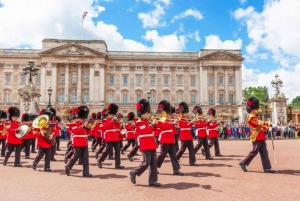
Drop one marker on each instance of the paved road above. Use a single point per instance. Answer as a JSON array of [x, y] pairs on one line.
[[220, 179]]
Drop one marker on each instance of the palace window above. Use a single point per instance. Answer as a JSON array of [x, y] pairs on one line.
[[125, 98], [125, 79], [73, 97], [152, 68], [74, 79], [221, 98], [8, 78], [125, 68], [111, 79], [211, 98], [23, 79], [220, 80], [62, 78], [86, 79], [38, 79], [152, 80], [85, 97], [166, 97], [193, 81], [110, 98], [179, 98], [138, 97], [7, 98], [231, 80], [139, 67], [166, 80], [230, 98], [193, 98], [138, 80], [152, 98], [179, 80], [210, 80], [61, 97]]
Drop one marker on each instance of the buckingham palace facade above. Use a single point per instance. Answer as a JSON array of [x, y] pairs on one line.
[[85, 72]]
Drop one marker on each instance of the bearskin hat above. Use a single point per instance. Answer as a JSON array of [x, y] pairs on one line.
[[83, 112], [58, 119], [142, 107], [98, 116], [25, 117], [93, 116], [53, 111], [164, 106], [3, 114], [32, 116], [47, 112], [103, 114], [198, 110], [112, 108], [13, 112], [252, 104], [130, 116], [172, 109], [119, 115], [212, 111], [183, 108]]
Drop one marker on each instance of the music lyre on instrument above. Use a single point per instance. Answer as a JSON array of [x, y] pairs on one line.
[[42, 122]]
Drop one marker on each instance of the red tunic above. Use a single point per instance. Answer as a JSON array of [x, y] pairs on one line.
[[130, 127], [254, 122], [11, 127], [54, 129], [212, 127], [185, 130], [41, 141], [109, 130], [144, 132], [119, 127], [166, 134], [96, 130], [1, 129], [201, 128], [79, 135]]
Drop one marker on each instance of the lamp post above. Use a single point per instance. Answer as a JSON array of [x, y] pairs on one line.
[[49, 93], [31, 70], [148, 95]]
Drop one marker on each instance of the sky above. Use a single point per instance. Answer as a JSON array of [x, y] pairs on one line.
[[267, 31]]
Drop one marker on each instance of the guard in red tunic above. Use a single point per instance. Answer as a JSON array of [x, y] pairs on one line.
[[257, 137], [119, 124], [25, 119], [58, 128], [3, 136], [135, 149], [80, 141], [212, 127], [166, 138], [102, 136], [175, 127], [13, 143], [201, 125], [130, 127], [53, 127], [186, 134], [43, 144], [111, 136], [146, 141], [32, 135], [94, 131]]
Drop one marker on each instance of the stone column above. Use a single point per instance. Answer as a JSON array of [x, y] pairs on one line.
[[102, 84], [91, 83], [226, 83], [204, 85], [159, 84], [200, 83], [2, 81], [43, 83], [54, 83], [79, 80], [173, 85], [216, 85], [238, 81], [132, 94], [67, 75]]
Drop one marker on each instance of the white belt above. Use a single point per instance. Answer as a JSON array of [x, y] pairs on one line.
[[213, 129], [185, 129], [198, 129], [142, 136], [79, 136], [113, 130], [129, 132], [161, 133]]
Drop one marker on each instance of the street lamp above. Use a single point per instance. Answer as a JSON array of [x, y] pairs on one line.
[[31, 70], [49, 93], [148, 95]]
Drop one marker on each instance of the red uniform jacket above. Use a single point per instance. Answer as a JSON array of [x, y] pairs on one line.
[[144, 132], [41, 141], [201, 128], [109, 130], [166, 134], [11, 127], [185, 130], [119, 128], [212, 127], [27, 137], [1, 129], [130, 131], [54, 129], [79, 135], [57, 127], [96, 130], [254, 122]]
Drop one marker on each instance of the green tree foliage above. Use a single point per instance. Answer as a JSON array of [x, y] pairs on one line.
[[260, 92], [296, 102]]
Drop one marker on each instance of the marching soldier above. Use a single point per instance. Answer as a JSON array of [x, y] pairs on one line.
[[166, 138], [31, 134], [201, 125], [25, 120], [13, 143], [119, 127], [186, 134], [130, 127], [53, 127], [212, 126], [58, 128], [147, 145], [175, 127], [135, 149], [102, 136], [257, 136], [80, 142], [93, 134], [3, 136]]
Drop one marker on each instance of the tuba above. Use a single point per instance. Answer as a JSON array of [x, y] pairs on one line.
[[23, 131], [42, 122]]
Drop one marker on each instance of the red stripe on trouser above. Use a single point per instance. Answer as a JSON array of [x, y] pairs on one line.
[[254, 149]]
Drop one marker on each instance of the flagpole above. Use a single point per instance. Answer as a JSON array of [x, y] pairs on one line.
[[82, 29]]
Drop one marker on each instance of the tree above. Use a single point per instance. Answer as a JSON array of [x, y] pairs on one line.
[[260, 92], [296, 102]]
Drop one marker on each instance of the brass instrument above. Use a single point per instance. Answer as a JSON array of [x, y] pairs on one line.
[[42, 122], [23, 131], [255, 131], [4, 129]]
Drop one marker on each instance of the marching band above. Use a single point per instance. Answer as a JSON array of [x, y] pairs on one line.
[[145, 132]]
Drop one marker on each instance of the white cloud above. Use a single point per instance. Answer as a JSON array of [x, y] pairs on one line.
[[153, 18], [275, 29], [100, 9], [166, 2], [252, 77], [243, 1], [214, 42], [188, 13], [196, 36]]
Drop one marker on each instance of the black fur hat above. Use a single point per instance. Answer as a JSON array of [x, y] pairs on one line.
[[98, 116], [83, 112], [112, 108], [53, 111], [47, 112], [183, 107], [25, 117], [58, 119], [212, 111], [93, 116], [142, 107], [103, 114], [3, 114], [172, 109], [164, 106], [130, 116], [32, 116], [13, 112], [198, 110], [252, 103]]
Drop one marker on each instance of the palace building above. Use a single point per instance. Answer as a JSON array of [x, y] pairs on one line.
[[86, 72]]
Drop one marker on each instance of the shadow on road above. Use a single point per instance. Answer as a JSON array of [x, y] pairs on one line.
[[110, 176], [284, 172]]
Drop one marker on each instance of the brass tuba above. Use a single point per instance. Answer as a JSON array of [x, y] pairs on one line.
[[23, 131], [42, 122]]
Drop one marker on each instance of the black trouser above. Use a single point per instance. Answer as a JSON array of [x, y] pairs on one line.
[[134, 150], [3, 142], [176, 143], [97, 142], [121, 144], [261, 147], [53, 149], [149, 159], [26, 145], [108, 149], [13, 147], [190, 145], [164, 149], [33, 142], [93, 141], [80, 152], [129, 142], [40, 155], [203, 141], [57, 142], [215, 141]]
